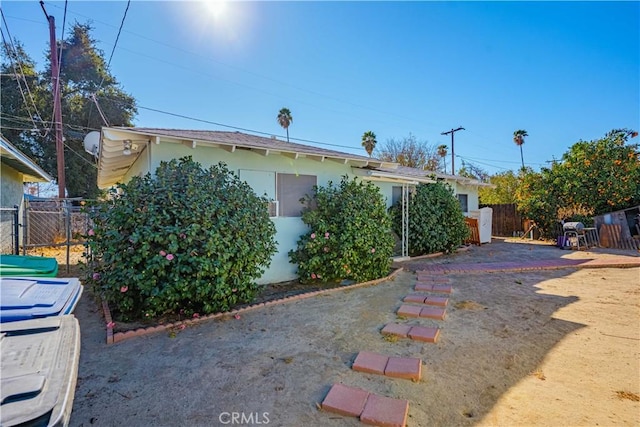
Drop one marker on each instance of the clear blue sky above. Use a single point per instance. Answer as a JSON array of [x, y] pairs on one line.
[[564, 71]]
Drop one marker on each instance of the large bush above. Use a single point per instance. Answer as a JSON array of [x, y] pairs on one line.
[[436, 222], [592, 178], [188, 240], [349, 234]]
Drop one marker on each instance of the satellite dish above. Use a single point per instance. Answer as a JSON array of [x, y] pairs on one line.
[[92, 143]]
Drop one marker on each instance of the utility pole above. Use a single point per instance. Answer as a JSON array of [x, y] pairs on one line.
[[57, 106], [452, 131]]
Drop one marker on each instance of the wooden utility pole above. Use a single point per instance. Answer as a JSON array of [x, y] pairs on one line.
[[452, 131], [57, 105]]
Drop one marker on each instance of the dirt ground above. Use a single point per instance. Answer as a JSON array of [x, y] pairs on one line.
[[558, 347]]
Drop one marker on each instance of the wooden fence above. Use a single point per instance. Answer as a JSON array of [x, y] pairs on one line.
[[506, 221]]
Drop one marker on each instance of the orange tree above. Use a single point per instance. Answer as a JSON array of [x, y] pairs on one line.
[[592, 178]]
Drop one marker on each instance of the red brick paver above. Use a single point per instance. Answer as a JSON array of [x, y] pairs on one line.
[[404, 367], [406, 310], [423, 333], [540, 264], [419, 333], [427, 299], [396, 329], [442, 289], [345, 400], [371, 363], [437, 313], [385, 412]]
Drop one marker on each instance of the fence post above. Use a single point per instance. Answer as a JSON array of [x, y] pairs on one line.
[[67, 209], [25, 227], [16, 230]]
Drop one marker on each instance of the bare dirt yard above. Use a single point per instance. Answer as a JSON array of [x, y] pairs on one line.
[[543, 348]]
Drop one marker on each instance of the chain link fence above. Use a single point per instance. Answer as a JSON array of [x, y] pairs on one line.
[[9, 230], [48, 223]]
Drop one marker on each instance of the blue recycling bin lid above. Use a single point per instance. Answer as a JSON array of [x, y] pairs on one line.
[[23, 298]]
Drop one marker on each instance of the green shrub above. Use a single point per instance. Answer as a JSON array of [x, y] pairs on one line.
[[436, 222], [349, 234], [188, 240]]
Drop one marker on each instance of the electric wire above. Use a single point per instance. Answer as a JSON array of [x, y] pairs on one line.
[[13, 56]]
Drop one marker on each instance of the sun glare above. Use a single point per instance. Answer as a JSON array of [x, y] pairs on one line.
[[216, 8]]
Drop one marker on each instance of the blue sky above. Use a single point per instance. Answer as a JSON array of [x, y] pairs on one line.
[[564, 71]]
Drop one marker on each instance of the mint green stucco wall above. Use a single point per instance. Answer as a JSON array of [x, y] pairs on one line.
[[288, 229]]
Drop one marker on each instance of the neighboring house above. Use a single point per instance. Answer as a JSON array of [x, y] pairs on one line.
[[15, 169], [284, 171]]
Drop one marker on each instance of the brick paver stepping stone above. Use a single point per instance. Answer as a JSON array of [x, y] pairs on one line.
[[345, 400], [419, 333], [397, 367], [427, 299], [371, 408], [407, 310], [385, 412], [442, 289], [430, 278]]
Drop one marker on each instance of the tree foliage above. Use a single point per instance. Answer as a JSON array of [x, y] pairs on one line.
[[592, 178], [369, 142], [349, 234], [469, 170], [285, 119], [83, 73], [188, 240], [436, 222], [504, 190], [410, 152]]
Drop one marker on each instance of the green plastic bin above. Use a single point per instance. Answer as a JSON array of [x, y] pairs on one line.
[[32, 266]]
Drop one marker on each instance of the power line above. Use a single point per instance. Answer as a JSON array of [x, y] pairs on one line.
[[13, 56], [115, 44], [452, 132]]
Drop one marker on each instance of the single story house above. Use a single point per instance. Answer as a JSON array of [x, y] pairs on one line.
[[16, 169], [284, 171]]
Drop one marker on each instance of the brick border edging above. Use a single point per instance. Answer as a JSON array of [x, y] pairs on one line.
[[115, 337]]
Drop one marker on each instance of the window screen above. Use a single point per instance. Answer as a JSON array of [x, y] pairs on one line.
[[290, 189], [463, 199]]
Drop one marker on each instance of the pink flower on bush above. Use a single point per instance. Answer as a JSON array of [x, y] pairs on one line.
[[234, 290], [326, 249], [313, 275], [96, 276], [170, 257], [91, 232], [196, 315], [124, 289], [373, 250], [162, 253], [319, 276], [326, 235], [313, 235], [183, 236], [111, 325]]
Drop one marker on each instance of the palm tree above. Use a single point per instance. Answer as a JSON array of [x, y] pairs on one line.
[[442, 152], [285, 119], [369, 142], [518, 138]]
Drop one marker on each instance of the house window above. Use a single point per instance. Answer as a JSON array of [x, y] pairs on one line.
[[396, 194], [290, 189], [463, 199], [282, 189]]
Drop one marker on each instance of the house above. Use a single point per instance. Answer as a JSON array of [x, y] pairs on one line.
[[284, 171], [16, 169]]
